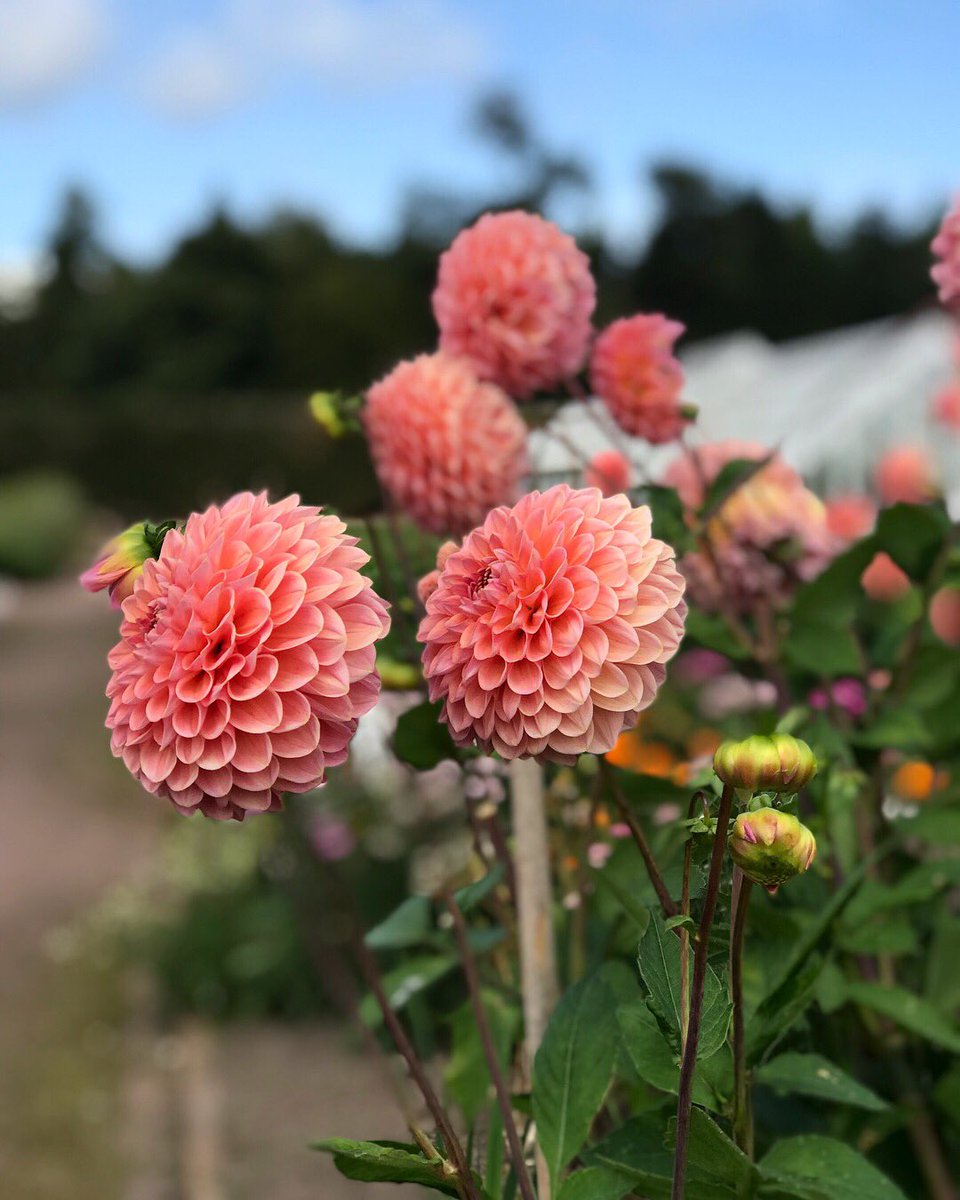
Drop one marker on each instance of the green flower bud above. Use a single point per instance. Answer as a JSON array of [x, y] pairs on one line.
[[765, 763], [771, 846], [398, 676]]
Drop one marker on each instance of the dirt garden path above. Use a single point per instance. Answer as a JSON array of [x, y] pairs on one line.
[[94, 1104]]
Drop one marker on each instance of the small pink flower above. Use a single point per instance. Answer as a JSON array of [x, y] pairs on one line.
[[883, 580], [847, 694], [598, 853], [946, 405], [850, 517], [120, 563], [906, 475], [515, 295], [619, 830], [610, 471], [946, 247], [246, 657], [446, 447], [634, 371], [332, 839], [550, 628], [767, 537]]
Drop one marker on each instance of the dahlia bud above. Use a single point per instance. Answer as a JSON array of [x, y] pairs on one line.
[[765, 763], [121, 560], [398, 676], [771, 847], [335, 413]]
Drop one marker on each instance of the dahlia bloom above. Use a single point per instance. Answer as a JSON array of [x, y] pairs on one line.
[[946, 406], [610, 471], [515, 295], [119, 563], [246, 657], [946, 247], [883, 580], [906, 475], [549, 628], [850, 517], [634, 372], [768, 536], [446, 447]]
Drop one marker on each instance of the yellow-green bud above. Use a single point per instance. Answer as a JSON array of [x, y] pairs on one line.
[[771, 847], [773, 762], [398, 676], [325, 411]]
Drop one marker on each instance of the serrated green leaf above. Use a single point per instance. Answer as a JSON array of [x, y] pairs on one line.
[[912, 534], [657, 1063], [406, 981], [410, 924], [637, 1151], [822, 647], [386, 1162], [595, 1183], [814, 1075], [469, 897], [572, 1069], [819, 1168], [659, 963], [711, 1151], [906, 1009]]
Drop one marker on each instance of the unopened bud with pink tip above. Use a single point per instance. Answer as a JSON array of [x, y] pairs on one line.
[[770, 847], [120, 562], [773, 762]]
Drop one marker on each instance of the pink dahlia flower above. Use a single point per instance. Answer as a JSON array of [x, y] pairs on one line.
[[246, 657], [946, 406], [946, 247], [767, 537], [610, 471], [906, 475], [515, 295], [446, 447], [850, 517], [634, 372], [549, 629]]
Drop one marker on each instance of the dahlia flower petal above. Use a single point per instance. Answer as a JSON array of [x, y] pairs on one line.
[[505, 683], [225, 638]]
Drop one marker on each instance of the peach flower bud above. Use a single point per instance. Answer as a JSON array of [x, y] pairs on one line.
[[905, 475], [883, 580], [773, 762], [120, 562], [850, 517], [770, 847], [610, 471]]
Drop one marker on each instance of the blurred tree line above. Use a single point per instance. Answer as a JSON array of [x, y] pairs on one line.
[[156, 384]]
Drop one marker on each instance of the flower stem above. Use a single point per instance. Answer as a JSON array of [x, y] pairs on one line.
[[538, 965], [742, 1107], [659, 886], [489, 1050], [689, 1063]]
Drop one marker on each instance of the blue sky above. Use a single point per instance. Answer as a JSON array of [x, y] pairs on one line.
[[161, 109]]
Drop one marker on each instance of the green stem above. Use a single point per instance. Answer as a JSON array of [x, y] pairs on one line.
[[742, 1106], [640, 840], [689, 1064]]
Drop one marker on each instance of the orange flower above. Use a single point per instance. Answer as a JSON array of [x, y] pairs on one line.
[[915, 781]]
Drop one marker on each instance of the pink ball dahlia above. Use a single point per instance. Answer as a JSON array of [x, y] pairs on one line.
[[549, 629], [610, 471], [246, 657], [766, 538], [446, 447], [515, 295], [633, 370], [906, 475], [946, 247]]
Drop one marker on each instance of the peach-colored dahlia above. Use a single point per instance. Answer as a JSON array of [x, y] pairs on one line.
[[946, 247], [610, 471], [515, 295], [946, 405], [549, 629], [246, 657], [906, 475], [766, 538], [446, 447], [851, 516], [634, 372]]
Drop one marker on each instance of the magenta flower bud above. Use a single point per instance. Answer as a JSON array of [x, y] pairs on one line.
[[773, 762], [121, 560], [771, 847]]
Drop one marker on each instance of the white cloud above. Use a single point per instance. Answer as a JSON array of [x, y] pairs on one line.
[[45, 45], [360, 44]]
